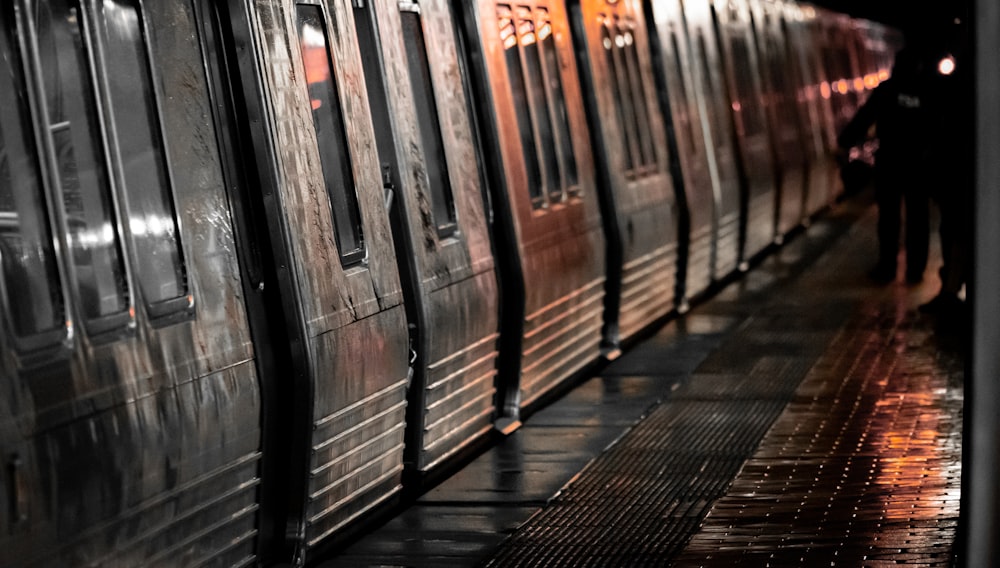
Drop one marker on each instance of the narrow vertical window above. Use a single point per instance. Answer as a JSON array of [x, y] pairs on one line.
[[434, 156], [27, 257], [535, 81], [331, 135], [608, 44], [711, 92], [515, 75], [745, 106], [73, 125], [152, 217], [553, 69], [685, 101], [642, 114]]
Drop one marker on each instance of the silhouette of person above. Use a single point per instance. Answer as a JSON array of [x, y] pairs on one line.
[[951, 105], [897, 109]]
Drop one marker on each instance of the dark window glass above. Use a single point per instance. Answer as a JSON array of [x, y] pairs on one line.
[[646, 150], [711, 93], [749, 112], [535, 82], [151, 213], [686, 128], [434, 157], [73, 124], [508, 38], [28, 259], [331, 135], [558, 98], [608, 43]]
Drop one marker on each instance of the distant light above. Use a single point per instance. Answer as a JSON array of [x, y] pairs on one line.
[[947, 65]]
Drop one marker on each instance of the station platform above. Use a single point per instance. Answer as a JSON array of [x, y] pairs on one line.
[[801, 416]]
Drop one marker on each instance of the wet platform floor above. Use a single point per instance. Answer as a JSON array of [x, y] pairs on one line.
[[802, 416]]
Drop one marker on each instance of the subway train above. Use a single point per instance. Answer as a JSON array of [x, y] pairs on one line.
[[270, 265]]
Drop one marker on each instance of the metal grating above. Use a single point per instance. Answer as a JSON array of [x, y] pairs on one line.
[[864, 466], [640, 502]]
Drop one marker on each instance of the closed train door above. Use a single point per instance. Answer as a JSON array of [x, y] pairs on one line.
[[780, 84], [340, 409], [697, 175], [630, 142], [548, 219], [131, 426], [713, 104], [427, 148], [803, 47], [749, 113]]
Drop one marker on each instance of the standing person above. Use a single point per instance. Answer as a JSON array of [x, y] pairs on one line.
[[897, 108], [952, 100]]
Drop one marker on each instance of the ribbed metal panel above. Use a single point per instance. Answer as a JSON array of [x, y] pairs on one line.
[[214, 513], [560, 339], [727, 246], [648, 289], [699, 262], [356, 460], [760, 224]]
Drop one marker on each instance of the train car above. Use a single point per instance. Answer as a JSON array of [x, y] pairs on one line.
[[748, 108], [227, 227], [681, 100], [780, 83], [629, 137], [338, 420], [700, 21], [819, 139], [131, 426], [426, 144], [547, 215]]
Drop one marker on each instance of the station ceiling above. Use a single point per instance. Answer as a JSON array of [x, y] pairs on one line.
[[906, 15]]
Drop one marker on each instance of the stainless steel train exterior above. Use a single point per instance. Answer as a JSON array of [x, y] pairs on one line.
[[261, 258], [629, 136], [548, 216], [425, 137], [781, 86]]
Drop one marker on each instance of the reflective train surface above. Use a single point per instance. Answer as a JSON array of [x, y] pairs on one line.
[[269, 265]]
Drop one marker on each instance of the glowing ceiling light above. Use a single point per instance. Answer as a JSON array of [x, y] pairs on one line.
[[947, 65]]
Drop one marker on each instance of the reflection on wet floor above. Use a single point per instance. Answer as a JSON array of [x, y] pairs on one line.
[[862, 468], [813, 417]]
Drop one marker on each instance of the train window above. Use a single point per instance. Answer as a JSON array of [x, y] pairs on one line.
[[535, 81], [608, 43], [331, 134], [642, 115], [682, 91], [152, 217], [749, 112], [73, 127], [27, 257], [508, 38], [434, 157], [711, 92], [553, 71]]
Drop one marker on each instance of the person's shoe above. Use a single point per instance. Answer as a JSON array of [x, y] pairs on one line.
[[882, 274], [943, 304]]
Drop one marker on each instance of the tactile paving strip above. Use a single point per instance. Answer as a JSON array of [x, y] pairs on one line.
[[862, 469], [638, 503]]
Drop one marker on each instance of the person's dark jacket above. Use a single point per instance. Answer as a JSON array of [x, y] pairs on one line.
[[897, 108]]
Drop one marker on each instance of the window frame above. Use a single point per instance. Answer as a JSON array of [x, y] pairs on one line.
[[59, 337], [181, 307], [445, 194], [359, 255]]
